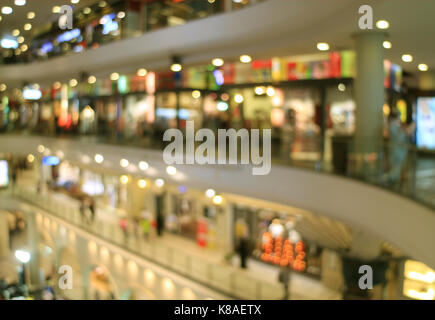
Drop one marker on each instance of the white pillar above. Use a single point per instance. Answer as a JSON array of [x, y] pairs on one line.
[[4, 235], [369, 90], [33, 237], [427, 80]]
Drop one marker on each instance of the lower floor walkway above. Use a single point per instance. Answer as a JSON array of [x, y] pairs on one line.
[[173, 250]]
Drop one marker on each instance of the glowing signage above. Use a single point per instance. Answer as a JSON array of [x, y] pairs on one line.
[[108, 23], [426, 123], [7, 43], [32, 94], [47, 47], [50, 161], [69, 35]]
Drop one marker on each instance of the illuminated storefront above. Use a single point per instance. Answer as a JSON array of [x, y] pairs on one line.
[[419, 281]]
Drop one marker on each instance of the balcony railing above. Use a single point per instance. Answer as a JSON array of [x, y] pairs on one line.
[[400, 168], [220, 277]]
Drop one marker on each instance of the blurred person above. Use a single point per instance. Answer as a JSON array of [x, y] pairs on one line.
[[145, 222], [124, 227], [242, 238], [14, 175], [284, 278], [92, 210], [160, 223], [399, 135], [145, 225], [82, 209]]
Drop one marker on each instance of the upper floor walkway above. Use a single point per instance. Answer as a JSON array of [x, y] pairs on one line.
[[403, 219]]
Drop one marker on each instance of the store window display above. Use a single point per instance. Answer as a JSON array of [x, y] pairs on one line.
[[301, 107], [139, 114]]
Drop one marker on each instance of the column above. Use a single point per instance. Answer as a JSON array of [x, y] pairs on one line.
[[369, 90], [33, 265], [4, 235], [427, 80]]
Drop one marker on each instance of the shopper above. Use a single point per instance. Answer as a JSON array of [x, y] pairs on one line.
[[146, 226], [14, 175], [284, 278], [398, 148], [92, 210], [82, 210], [124, 227], [160, 223], [242, 238], [243, 250]]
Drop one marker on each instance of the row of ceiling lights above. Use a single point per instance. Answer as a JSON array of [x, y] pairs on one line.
[[6, 10], [381, 24], [124, 163], [86, 10]]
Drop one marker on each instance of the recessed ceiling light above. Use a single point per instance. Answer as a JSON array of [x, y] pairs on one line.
[[423, 67], [270, 91], [3, 87], [238, 98], [24, 48], [20, 3], [218, 199], [27, 26], [159, 183], [245, 58], [382, 24], [31, 15], [87, 10], [142, 183], [114, 76], [121, 15], [92, 79], [7, 10], [73, 82], [142, 72], [407, 58], [15, 32], [98, 158], [143, 165], [124, 179], [210, 193], [102, 4], [196, 94], [20, 39], [171, 170], [55, 9], [387, 44], [124, 163], [341, 87], [322, 46], [218, 62], [75, 1], [1, 18], [176, 67]]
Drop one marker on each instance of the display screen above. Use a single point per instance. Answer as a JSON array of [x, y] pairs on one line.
[[4, 174], [426, 123]]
